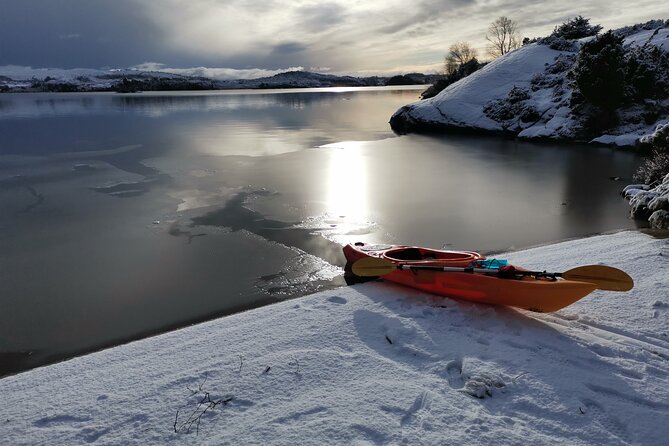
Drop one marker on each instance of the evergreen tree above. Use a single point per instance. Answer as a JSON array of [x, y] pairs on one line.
[[576, 28], [599, 72]]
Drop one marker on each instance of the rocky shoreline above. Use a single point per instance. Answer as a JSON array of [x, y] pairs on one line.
[[650, 203]]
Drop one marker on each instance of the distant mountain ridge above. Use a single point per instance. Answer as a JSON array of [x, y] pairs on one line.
[[15, 79]]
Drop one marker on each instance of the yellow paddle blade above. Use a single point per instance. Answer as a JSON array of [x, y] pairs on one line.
[[372, 267], [605, 277]]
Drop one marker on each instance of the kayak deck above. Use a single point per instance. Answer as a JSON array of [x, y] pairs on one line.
[[540, 294]]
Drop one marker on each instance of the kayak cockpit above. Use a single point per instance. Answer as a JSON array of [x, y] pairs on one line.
[[422, 254]]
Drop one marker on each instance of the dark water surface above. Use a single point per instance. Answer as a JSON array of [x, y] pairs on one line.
[[125, 215]]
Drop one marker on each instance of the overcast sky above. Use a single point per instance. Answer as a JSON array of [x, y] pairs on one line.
[[341, 36]]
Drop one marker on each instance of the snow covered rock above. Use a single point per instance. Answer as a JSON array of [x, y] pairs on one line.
[[634, 189], [650, 203], [659, 219], [639, 204]]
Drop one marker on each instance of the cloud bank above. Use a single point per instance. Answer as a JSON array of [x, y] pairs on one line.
[[347, 36]]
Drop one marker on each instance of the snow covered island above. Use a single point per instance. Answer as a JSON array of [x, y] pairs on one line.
[[380, 364], [531, 92]]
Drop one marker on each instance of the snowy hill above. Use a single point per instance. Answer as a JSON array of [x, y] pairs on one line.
[[22, 79], [529, 93]]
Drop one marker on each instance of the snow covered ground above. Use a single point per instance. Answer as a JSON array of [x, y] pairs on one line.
[[380, 364], [527, 93]]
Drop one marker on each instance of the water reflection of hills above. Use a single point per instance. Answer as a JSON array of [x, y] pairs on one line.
[[248, 123], [159, 104]]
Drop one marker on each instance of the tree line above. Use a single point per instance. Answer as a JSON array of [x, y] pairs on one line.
[[503, 36], [462, 60]]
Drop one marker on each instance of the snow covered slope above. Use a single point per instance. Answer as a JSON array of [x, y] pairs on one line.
[[461, 104], [527, 93], [380, 364]]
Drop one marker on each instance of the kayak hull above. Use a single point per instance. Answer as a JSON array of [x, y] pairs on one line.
[[527, 292]]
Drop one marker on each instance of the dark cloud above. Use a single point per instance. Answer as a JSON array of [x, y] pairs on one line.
[[422, 14], [268, 34], [321, 17], [288, 48], [77, 33], [285, 54], [289, 54]]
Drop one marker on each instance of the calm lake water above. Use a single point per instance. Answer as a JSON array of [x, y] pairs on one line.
[[125, 215]]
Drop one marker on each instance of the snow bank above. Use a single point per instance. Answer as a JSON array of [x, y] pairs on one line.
[[380, 364]]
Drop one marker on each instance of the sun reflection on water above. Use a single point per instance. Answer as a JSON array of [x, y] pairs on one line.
[[347, 212], [347, 181]]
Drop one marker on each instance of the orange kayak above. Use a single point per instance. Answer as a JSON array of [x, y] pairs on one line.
[[533, 292]]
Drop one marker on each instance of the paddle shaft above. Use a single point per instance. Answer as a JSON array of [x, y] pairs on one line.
[[491, 271]]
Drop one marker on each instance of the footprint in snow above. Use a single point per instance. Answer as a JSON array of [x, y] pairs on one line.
[[370, 435], [454, 374], [428, 312], [483, 341], [337, 300], [483, 385], [659, 307], [138, 420], [631, 373], [627, 397], [60, 419], [603, 351], [419, 410], [610, 424], [479, 384], [302, 415], [400, 339], [91, 434]]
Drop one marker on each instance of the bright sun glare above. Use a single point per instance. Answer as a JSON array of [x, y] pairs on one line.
[[347, 194]]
